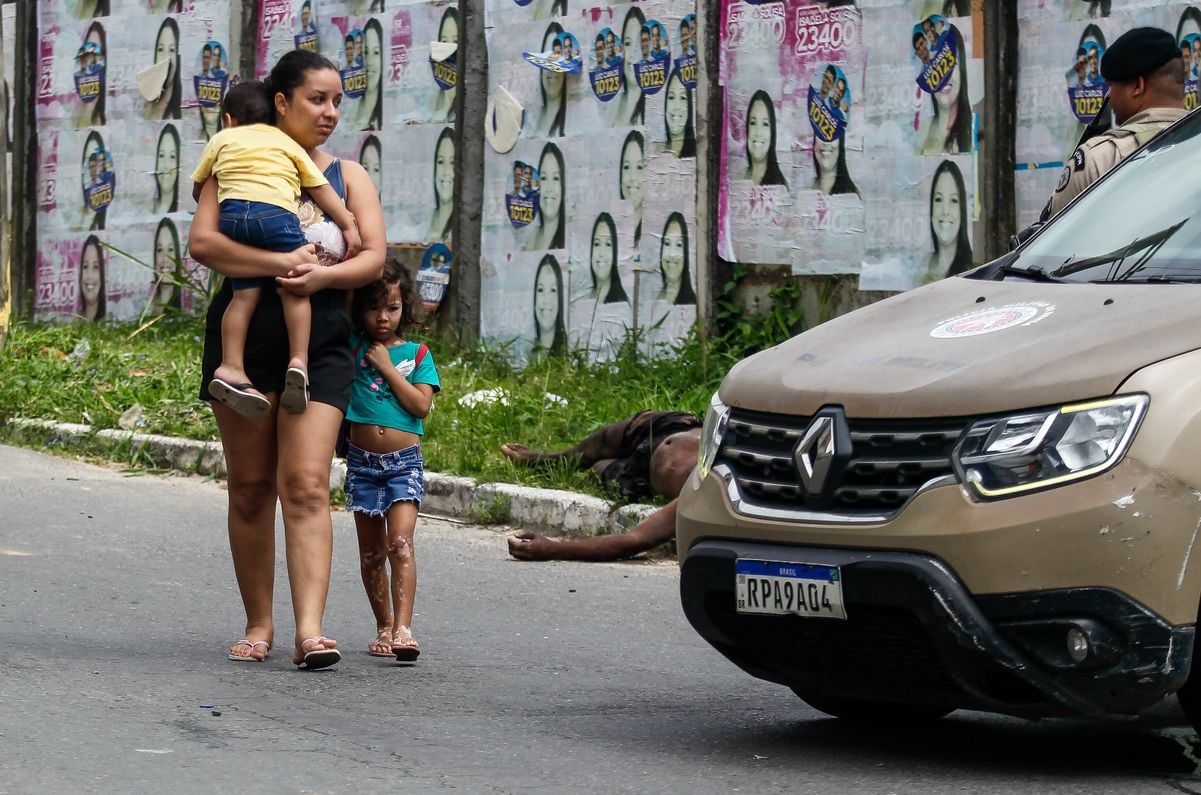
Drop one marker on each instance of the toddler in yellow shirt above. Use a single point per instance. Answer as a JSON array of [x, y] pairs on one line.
[[259, 171]]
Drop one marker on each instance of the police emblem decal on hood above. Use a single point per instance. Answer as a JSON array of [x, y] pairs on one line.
[[986, 321]]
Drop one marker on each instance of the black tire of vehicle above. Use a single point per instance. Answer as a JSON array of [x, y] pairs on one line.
[[1189, 696], [855, 709]]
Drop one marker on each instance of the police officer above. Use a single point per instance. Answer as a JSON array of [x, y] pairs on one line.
[[1145, 75]]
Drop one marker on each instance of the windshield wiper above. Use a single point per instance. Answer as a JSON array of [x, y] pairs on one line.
[[1154, 278], [1149, 245], [1033, 273]]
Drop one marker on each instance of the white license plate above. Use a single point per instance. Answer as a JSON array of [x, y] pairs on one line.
[[764, 587]]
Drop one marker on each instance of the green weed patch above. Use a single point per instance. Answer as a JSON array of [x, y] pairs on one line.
[[146, 378]]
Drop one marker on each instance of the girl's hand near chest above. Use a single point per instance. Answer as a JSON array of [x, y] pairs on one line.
[[379, 357]]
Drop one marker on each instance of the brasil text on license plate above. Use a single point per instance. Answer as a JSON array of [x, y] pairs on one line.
[[768, 588]]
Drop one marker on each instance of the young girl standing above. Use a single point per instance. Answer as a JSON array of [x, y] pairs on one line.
[[394, 385]]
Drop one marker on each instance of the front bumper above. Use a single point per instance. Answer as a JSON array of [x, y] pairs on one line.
[[914, 634]]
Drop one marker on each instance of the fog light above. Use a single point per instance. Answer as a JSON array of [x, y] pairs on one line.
[[1077, 645]]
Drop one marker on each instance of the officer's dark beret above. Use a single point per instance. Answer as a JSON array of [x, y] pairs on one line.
[[1138, 52]]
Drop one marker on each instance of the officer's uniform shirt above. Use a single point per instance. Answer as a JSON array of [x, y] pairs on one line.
[[1096, 156]]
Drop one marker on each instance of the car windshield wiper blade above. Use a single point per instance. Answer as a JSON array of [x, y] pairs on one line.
[[1034, 273], [1150, 245], [1154, 278]]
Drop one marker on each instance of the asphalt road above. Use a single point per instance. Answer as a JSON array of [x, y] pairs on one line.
[[117, 603]]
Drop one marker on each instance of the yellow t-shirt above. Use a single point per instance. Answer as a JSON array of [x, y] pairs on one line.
[[258, 163]]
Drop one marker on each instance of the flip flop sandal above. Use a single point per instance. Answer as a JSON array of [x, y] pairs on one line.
[[238, 397], [318, 658], [405, 652], [373, 653], [252, 645], [295, 397]]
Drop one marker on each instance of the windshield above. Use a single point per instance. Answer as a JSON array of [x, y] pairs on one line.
[[1142, 224]]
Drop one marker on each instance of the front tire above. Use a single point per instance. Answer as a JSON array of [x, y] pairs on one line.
[[855, 709], [1189, 696]]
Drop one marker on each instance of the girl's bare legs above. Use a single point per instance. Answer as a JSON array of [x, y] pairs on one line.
[[402, 520], [250, 465], [373, 566], [305, 451]]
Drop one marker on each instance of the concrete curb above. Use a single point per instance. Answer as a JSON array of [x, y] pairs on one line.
[[550, 511]]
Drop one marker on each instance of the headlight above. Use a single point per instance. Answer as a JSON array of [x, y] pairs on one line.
[[711, 435], [1040, 449]]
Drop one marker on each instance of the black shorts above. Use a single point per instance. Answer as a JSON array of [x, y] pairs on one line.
[[630, 474], [331, 369]]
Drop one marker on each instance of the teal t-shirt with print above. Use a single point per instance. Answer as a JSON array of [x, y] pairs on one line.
[[371, 399]]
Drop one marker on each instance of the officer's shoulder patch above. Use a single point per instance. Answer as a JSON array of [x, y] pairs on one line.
[[1077, 162], [1064, 176]]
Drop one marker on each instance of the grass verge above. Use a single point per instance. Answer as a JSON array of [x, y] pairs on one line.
[[146, 378]]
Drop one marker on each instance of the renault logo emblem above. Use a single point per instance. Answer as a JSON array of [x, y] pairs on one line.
[[822, 456], [815, 453]]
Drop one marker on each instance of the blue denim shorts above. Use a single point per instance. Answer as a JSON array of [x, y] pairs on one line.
[[261, 225], [374, 481]]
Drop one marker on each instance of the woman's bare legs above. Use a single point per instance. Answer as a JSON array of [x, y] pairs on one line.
[[402, 520], [305, 450], [250, 465], [373, 566]]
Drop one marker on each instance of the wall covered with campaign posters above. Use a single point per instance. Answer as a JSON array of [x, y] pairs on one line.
[[848, 141], [589, 221], [1060, 86], [127, 94], [848, 137]]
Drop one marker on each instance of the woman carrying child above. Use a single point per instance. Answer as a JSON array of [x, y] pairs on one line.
[[260, 171], [286, 457], [394, 384]]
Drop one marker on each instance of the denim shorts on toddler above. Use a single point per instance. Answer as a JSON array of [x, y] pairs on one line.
[[374, 481], [261, 225]]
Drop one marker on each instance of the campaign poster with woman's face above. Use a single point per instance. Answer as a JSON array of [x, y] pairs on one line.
[[75, 80], [444, 57], [357, 45], [58, 269], [162, 88], [668, 286], [791, 141], [940, 50]]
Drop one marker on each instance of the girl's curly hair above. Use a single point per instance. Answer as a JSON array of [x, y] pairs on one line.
[[371, 295]]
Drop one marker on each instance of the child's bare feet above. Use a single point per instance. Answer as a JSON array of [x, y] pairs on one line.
[[382, 645], [404, 645]]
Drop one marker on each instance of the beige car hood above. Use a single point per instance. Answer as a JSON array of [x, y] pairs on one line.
[[961, 347]]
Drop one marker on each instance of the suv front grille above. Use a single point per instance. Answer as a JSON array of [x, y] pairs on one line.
[[890, 460]]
